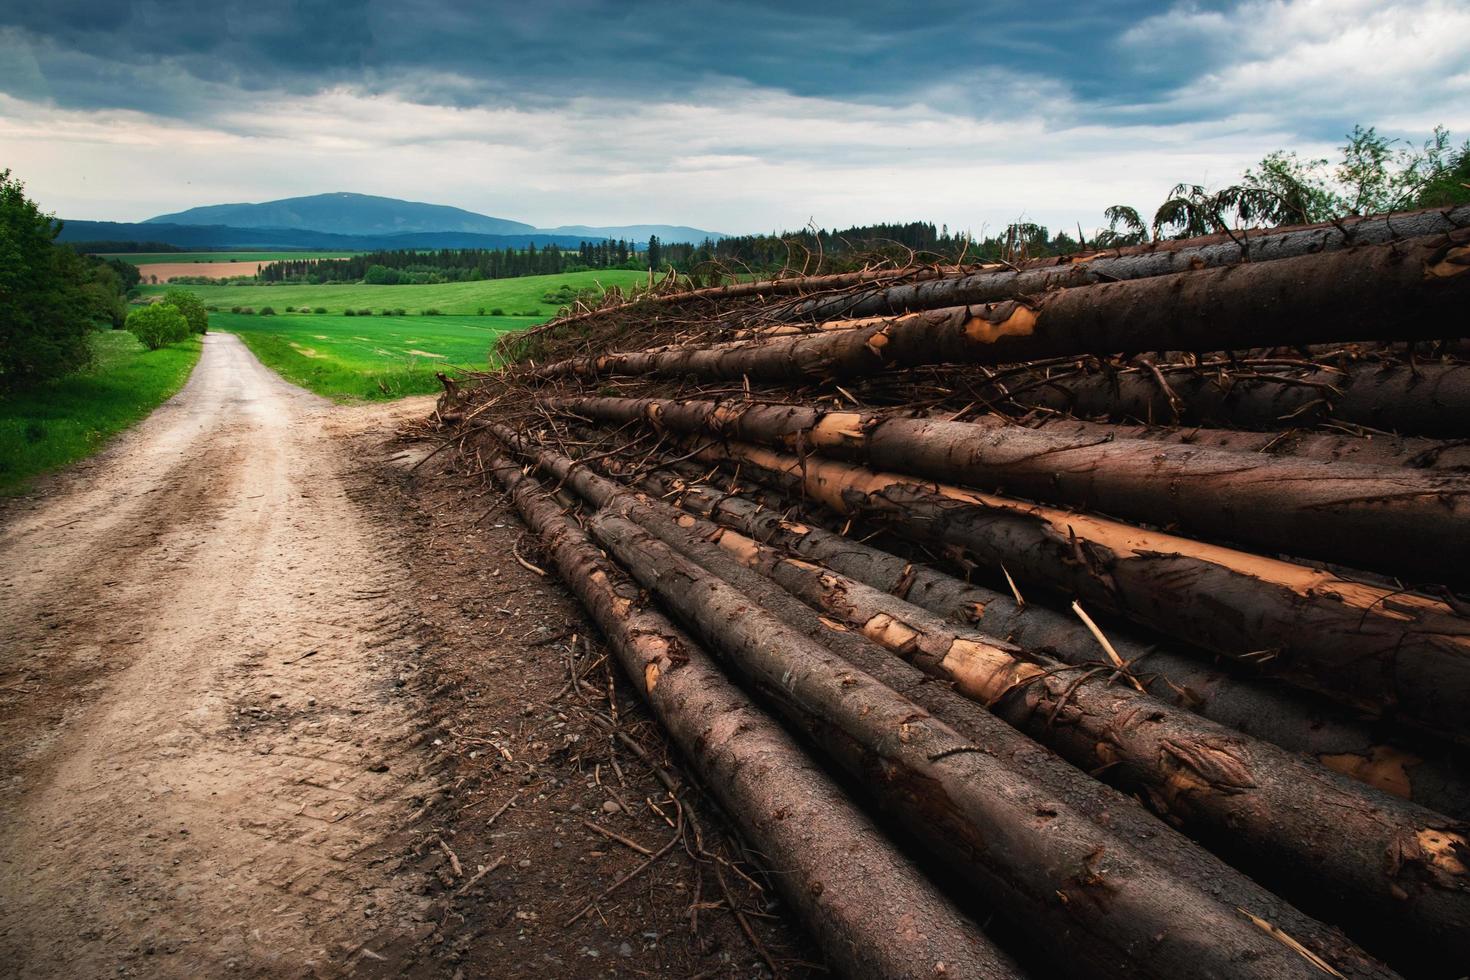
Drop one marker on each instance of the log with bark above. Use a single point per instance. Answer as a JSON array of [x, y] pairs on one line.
[[1123, 914], [1410, 290], [1427, 774], [1372, 647], [871, 911], [1367, 448], [1334, 845], [1136, 262], [1411, 525], [1114, 816], [1420, 400]]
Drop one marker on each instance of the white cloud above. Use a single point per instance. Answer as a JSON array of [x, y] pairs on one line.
[[1303, 60], [976, 152]]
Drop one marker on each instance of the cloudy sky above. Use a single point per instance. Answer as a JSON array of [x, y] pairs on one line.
[[732, 116]]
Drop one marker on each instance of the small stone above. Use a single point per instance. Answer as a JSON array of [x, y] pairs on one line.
[[625, 950], [525, 862], [610, 806]]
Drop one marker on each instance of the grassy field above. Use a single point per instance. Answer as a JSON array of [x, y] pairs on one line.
[[352, 358], [149, 258], [513, 296], [73, 417]]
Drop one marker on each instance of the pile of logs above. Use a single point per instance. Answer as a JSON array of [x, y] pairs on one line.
[[1116, 602]]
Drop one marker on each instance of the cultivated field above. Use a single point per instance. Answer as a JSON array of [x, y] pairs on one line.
[[166, 271], [150, 258], [512, 296], [350, 358]]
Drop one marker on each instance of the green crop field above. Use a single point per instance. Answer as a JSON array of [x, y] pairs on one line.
[[151, 258], [513, 296], [368, 357], [72, 417]]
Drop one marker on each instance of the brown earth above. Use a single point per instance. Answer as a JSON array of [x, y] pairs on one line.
[[271, 700], [166, 271]]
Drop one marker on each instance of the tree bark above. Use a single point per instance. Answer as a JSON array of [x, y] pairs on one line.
[[1136, 262], [1408, 291], [1373, 648], [1049, 869], [1369, 449], [1343, 846], [1411, 525], [1115, 814], [1335, 738], [869, 908], [1426, 400]]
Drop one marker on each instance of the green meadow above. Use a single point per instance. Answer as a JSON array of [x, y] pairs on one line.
[[368, 357], [521, 296], [68, 418], [151, 258]]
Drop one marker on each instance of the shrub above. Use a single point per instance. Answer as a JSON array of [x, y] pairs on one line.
[[191, 306], [400, 312], [211, 309], [349, 313], [481, 311], [157, 325], [247, 311], [430, 312], [497, 312], [320, 309], [364, 312], [234, 309], [267, 311]]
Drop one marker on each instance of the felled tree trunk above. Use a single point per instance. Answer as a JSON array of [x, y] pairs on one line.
[[1335, 738], [1124, 915], [1371, 647], [1368, 449], [871, 911], [1360, 293], [1346, 848], [1061, 783], [1137, 262], [1426, 400], [1412, 525]]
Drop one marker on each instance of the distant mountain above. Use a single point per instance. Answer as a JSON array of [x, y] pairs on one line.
[[342, 213], [199, 237], [638, 233], [346, 214]]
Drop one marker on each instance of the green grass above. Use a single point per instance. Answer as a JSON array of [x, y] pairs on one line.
[[514, 296], [72, 417], [148, 258], [368, 357]]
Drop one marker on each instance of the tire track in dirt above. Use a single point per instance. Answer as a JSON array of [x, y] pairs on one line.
[[208, 753]]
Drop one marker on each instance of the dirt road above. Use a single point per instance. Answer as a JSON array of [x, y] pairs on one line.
[[205, 745]]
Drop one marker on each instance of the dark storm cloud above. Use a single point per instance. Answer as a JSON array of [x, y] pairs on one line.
[[174, 58]]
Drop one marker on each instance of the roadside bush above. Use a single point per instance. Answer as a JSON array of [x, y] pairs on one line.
[[191, 306], [267, 311], [157, 325], [349, 313], [497, 312], [247, 311], [430, 312], [364, 312], [320, 309], [400, 312], [211, 309], [481, 311], [234, 309]]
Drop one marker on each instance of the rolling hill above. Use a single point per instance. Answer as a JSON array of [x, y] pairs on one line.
[[342, 213], [329, 220]]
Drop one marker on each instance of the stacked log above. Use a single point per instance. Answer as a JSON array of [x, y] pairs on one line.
[[891, 507]]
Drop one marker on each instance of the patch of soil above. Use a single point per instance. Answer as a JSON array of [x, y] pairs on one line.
[[556, 845]]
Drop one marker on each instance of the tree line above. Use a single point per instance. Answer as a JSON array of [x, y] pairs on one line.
[[425, 266], [51, 296]]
